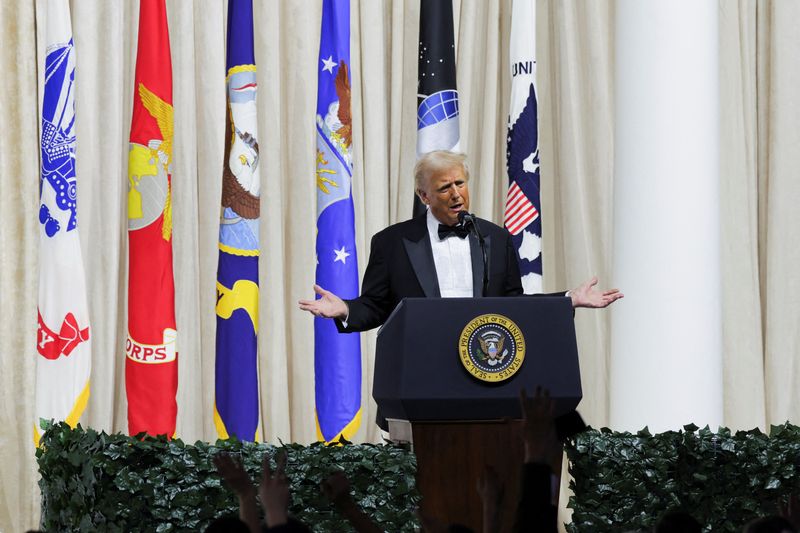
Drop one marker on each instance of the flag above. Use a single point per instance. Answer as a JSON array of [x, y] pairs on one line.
[[437, 96], [236, 388], [62, 340], [522, 201], [337, 357], [151, 365]]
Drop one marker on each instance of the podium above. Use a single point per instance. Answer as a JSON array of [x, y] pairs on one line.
[[456, 422]]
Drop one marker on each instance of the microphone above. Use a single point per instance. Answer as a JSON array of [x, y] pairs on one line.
[[466, 219]]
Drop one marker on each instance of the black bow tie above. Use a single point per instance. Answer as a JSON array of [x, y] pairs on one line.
[[450, 231]]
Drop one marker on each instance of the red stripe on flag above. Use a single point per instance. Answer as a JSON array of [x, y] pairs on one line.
[[519, 210]]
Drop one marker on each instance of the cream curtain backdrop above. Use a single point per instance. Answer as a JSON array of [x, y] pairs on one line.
[[759, 187]]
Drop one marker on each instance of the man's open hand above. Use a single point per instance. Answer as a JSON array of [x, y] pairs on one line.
[[586, 295], [327, 306]]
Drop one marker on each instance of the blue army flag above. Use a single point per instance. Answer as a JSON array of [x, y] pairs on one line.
[[236, 390], [522, 200], [337, 358], [63, 345], [437, 96]]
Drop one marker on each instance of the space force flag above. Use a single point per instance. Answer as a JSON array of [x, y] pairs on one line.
[[151, 366], [236, 376], [437, 96], [337, 357], [62, 341], [522, 201]]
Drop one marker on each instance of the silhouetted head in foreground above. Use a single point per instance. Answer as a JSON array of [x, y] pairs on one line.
[[770, 524], [226, 523], [677, 522]]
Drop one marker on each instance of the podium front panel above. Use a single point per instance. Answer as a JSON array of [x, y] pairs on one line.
[[419, 374]]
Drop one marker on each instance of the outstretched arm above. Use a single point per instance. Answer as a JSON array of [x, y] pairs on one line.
[[327, 306], [586, 295], [274, 491], [535, 509], [239, 482], [491, 491], [337, 488]]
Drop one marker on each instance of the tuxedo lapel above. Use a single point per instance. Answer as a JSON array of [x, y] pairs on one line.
[[477, 262], [420, 254]]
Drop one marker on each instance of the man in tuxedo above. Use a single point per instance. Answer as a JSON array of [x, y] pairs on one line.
[[434, 255]]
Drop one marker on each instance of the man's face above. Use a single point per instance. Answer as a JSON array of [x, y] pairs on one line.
[[446, 193]]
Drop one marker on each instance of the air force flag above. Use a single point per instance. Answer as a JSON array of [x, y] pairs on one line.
[[337, 358]]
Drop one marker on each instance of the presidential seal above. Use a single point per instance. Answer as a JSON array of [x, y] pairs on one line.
[[491, 347]]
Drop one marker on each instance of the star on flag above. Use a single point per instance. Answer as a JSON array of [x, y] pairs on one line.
[[329, 64], [341, 255]]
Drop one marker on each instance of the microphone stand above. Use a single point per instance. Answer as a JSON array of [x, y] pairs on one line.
[[468, 219], [485, 259]]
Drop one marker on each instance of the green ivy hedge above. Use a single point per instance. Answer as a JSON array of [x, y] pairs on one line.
[[624, 481], [98, 482]]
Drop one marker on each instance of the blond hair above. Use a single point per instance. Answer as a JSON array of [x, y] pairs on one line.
[[436, 162]]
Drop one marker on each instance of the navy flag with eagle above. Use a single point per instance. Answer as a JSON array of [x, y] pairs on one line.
[[522, 201], [236, 368], [337, 357]]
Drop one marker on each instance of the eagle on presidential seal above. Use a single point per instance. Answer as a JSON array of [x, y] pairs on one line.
[[491, 343]]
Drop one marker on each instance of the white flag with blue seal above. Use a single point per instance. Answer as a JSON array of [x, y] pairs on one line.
[[523, 200]]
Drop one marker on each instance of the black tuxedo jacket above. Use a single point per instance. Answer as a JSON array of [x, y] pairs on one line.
[[401, 266]]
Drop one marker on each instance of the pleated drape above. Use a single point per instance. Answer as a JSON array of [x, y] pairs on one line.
[[760, 191]]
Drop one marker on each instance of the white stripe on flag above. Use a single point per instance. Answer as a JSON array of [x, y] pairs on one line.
[[519, 210]]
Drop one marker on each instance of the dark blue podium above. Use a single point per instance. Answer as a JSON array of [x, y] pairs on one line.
[[457, 423]]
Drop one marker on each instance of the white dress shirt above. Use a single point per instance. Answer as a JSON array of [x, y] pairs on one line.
[[453, 262]]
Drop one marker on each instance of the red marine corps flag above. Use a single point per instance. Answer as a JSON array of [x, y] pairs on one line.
[[151, 366]]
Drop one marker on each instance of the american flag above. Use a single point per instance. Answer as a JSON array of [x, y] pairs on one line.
[[519, 210]]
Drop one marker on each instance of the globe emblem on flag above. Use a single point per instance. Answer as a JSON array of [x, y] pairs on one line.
[[492, 348], [147, 186], [437, 121], [437, 107]]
